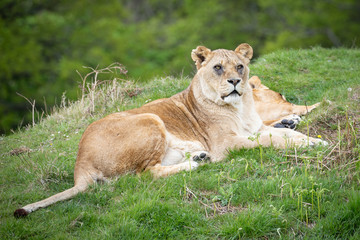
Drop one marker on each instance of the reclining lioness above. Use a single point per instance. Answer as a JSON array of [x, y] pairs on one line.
[[273, 107], [215, 113]]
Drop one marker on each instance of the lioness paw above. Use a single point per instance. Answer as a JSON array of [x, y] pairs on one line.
[[289, 122], [307, 142], [191, 165], [317, 141], [314, 141], [201, 156]]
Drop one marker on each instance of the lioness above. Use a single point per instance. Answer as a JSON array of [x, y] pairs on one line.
[[273, 107], [215, 113]]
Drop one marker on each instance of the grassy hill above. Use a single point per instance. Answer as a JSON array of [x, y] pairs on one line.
[[254, 193]]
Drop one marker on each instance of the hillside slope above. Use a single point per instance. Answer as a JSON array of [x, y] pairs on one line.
[[256, 193]]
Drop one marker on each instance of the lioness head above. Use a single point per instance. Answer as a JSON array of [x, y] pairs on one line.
[[223, 74]]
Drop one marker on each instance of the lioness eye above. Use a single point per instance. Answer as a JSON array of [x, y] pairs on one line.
[[217, 67], [240, 68]]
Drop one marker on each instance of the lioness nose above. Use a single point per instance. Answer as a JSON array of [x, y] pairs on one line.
[[234, 81]]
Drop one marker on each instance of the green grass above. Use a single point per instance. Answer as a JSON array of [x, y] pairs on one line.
[[303, 193]]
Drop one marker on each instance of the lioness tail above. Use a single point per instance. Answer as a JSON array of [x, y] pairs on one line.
[[67, 194]]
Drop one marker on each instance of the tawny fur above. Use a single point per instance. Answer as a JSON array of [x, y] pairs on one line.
[[215, 113]]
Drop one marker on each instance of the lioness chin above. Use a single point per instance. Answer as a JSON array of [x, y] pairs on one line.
[[215, 113]]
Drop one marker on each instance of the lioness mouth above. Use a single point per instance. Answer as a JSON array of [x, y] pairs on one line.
[[232, 93]]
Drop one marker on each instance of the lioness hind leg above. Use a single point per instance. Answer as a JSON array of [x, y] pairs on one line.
[[302, 110]]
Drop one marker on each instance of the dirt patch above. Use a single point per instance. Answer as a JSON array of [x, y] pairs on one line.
[[354, 94], [212, 208], [340, 126], [20, 150], [216, 208]]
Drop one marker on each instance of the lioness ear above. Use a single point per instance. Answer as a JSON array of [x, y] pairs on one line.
[[255, 82], [245, 50], [199, 55]]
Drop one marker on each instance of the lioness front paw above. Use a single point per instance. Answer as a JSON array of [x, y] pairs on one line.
[[191, 165], [201, 156], [305, 142], [317, 141]]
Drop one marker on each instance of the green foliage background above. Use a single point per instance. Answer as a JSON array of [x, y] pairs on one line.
[[43, 43]]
